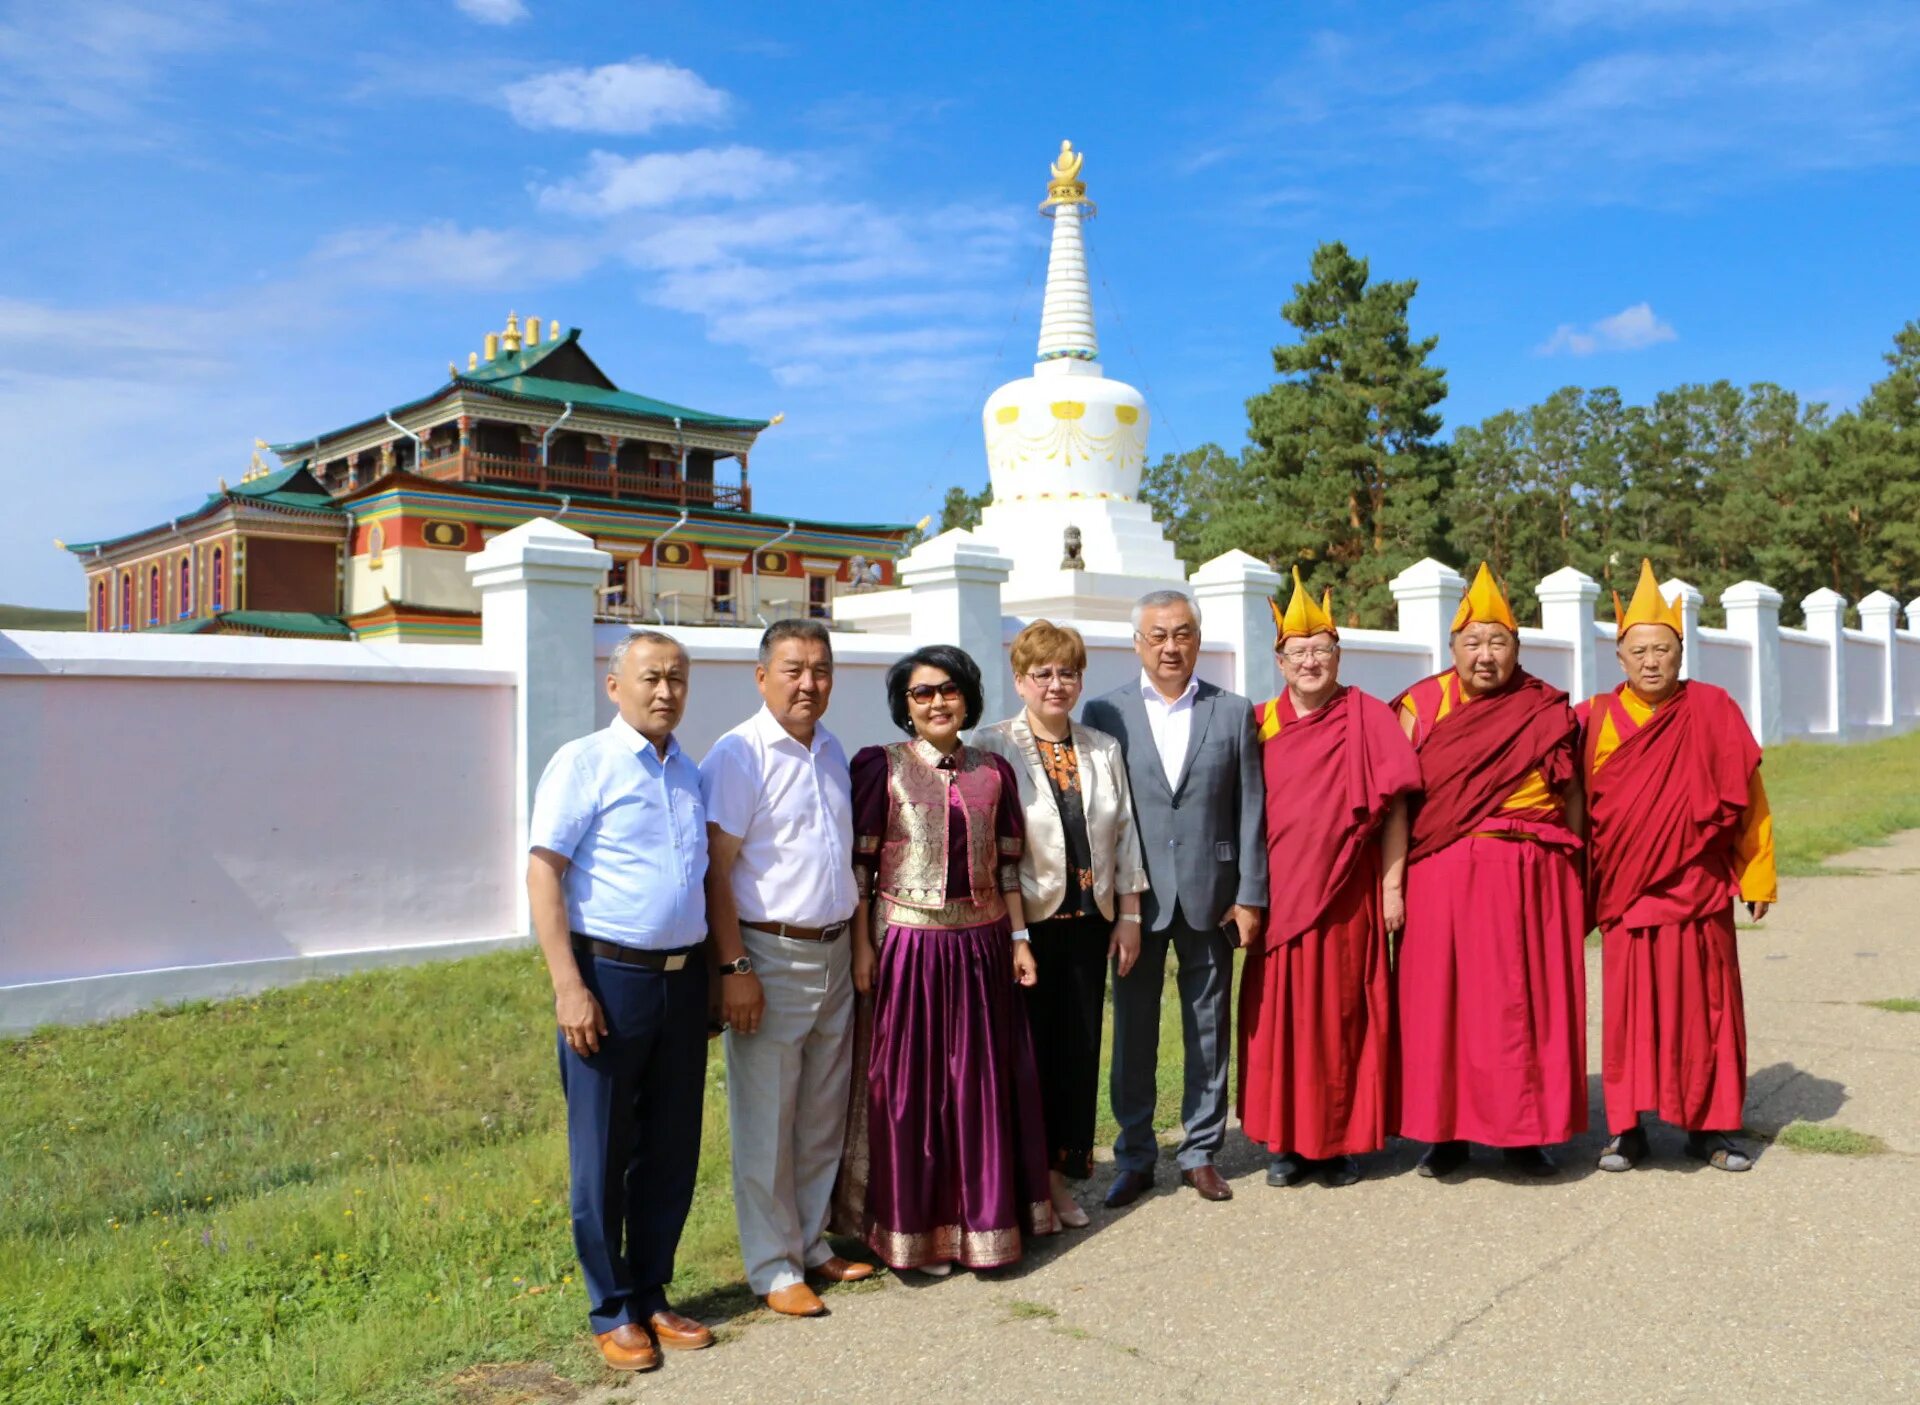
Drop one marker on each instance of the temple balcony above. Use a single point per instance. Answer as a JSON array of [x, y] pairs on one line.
[[649, 483]]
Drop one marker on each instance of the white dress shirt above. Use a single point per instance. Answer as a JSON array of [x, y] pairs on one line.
[[1172, 725], [630, 824], [791, 806]]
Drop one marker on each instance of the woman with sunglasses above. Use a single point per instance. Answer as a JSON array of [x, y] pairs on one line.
[[1080, 883], [946, 1147]]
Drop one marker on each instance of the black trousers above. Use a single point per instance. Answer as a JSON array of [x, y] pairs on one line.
[[1065, 1008], [633, 1132]]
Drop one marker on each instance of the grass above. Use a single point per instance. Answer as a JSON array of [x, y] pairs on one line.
[[1898, 1005], [33, 617], [353, 1192], [347, 1191], [1826, 1139], [1828, 799]]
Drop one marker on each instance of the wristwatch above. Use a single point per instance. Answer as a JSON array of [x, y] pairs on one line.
[[740, 966], [1019, 934]]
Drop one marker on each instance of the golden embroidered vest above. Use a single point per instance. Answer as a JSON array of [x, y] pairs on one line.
[[913, 853]]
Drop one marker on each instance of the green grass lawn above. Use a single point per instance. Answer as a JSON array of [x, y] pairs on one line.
[[351, 1190], [33, 617]]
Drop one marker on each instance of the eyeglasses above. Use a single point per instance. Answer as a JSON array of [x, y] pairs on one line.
[[1319, 653], [1182, 636], [927, 692], [1045, 677]]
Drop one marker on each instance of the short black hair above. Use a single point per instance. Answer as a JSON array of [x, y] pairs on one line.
[[956, 663], [810, 630]]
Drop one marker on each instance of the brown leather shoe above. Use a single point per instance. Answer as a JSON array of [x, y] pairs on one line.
[[628, 1348], [1209, 1182], [796, 1300], [839, 1270], [1128, 1187], [677, 1333]]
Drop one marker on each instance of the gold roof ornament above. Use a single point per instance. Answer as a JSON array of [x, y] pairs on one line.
[[1066, 187], [510, 340], [553, 330], [493, 345], [473, 360]]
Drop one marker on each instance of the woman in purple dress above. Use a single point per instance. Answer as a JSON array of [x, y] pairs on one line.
[[953, 1143]]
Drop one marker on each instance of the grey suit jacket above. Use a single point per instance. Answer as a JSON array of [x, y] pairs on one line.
[[1205, 842]]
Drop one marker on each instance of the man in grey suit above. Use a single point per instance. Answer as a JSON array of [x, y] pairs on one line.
[[1200, 808]]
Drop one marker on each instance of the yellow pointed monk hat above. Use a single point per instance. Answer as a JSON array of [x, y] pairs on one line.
[[1302, 616], [1484, 603], [1649, 606]]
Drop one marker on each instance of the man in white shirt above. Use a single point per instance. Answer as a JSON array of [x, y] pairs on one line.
[[780, 896], [1199, 804], [615, 881]]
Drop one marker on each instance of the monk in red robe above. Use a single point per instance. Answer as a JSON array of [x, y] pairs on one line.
[[1315, 996], [1491, 980], [1679, 829]]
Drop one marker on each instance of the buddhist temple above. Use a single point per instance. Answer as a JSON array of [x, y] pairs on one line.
[[363, 531]]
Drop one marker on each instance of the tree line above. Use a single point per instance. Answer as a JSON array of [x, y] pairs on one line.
[[1344, 472]]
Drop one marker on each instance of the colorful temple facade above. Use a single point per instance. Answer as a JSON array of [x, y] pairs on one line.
[[364, 532]]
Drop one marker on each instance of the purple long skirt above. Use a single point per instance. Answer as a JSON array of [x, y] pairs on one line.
[[946, 1156]]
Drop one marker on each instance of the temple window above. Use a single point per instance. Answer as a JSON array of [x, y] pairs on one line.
[[100, 620], [186, 586], [153, 595], [218, 593], [723, 590], [126, 600], [817, 598]]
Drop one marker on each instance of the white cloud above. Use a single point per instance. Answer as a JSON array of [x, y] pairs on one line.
[[92, 67], [445, 255], [492, 11], [1630, 329], [612, 184], [622, 98]]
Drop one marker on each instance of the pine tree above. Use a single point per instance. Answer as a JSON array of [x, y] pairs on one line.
[[1343, 470]]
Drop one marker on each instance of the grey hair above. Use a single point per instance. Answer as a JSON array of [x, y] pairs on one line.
[[642, 636], [810, 630], [1155, 599]]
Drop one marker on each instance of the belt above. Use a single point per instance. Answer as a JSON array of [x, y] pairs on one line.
[[802, 934], [633, 956]]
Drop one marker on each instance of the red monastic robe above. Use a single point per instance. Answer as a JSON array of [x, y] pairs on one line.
[[1680, 827], [1315, 1011], [1491, 979]]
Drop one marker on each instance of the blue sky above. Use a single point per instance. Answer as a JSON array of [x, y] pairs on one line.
[[226, 220]]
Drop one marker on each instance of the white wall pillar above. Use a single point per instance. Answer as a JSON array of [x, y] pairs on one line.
[[1880, 617], [1427, 594], [954, 584], [1913, 616], [1688, 600], [1235, 592], [1753, 616], [1566, 612], [536, 587], [1826, 612]]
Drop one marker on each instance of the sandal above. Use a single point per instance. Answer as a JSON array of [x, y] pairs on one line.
[[1717, 1151], [1625, 1151]]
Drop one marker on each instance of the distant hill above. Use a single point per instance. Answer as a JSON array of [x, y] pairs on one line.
[[29, 617]]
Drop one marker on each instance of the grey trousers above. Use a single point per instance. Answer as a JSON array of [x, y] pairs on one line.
[[1205, 983], [787, 1105]]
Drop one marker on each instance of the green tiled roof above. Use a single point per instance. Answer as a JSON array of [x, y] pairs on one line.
[[513, 375], [290, 487], [297, 623]]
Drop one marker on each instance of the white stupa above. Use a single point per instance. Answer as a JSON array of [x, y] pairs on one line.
[[1066, 446]]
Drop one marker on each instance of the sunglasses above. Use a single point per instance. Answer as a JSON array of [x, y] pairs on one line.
[[927, 692]]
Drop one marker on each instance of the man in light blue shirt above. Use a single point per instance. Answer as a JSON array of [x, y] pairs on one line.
[[616, 885]]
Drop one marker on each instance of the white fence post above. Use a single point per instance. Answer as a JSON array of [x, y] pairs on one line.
[[1427, 593], [1233, 592], [954, 582], [536, 587], [1880, 617], [1566, 612], [1826, 612], [1688, 600], [1753, 615]]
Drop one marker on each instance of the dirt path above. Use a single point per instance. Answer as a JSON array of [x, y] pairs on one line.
[[1799, 1280]]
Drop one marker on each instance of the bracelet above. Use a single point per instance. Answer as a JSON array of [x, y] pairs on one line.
[[1021, 935], [1132, 917]]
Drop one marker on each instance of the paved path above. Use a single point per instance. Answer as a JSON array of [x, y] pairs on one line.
[[1800, 1280]]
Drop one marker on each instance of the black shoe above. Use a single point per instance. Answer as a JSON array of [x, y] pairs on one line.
[[1625, 1151], [1128, 1187], [1530, 1161], [1337, 1171], [1718, 1151], [1443, 1159], [1287, 1169]]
